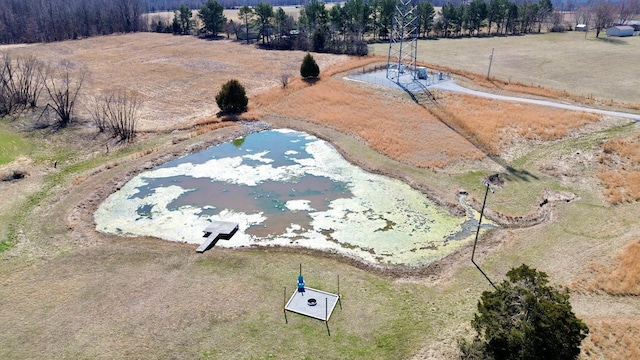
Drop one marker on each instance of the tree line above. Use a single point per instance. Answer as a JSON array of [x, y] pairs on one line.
[[25, 79], [29, 21], [341, 28], [347, 27]]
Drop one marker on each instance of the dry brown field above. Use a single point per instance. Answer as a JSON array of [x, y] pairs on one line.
[[70, 292], [231, 14], [176, 76]]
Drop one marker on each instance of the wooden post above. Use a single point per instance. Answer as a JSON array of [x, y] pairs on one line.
[[284, 306], [339, 296], [326, 316]]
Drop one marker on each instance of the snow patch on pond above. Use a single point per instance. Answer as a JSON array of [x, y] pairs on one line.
[[297, 205]]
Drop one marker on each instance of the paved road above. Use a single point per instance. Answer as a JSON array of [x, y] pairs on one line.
[[450, 85]]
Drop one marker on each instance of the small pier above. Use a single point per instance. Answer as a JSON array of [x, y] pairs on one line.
[[215, 231]]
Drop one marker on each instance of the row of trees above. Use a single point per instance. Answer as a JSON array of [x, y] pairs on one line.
[[28, 21], [344, 28], [499, 16], [347, 27], [23, 81]]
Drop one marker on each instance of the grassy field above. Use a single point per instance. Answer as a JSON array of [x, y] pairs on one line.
[[70, 292], [12, 145], [562, 61]]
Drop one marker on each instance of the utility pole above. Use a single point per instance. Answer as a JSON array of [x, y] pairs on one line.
[[484, 202], [490, 61]]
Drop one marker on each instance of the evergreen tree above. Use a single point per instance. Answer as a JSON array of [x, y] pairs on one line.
[[525, 318], [264, 12], [212, 18], [309, 68], [232, 98], [182, 20], [246, 13], [426, 13]]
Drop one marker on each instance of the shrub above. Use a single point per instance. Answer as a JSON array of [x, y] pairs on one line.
[[232, 98], [525, 318], [309, 68]]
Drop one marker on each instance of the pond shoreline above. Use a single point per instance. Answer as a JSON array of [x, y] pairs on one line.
[[81, 216]]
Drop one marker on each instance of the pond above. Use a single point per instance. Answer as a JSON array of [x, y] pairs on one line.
[[286, 188]]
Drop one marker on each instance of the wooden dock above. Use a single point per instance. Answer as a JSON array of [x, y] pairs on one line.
[[215, 231]]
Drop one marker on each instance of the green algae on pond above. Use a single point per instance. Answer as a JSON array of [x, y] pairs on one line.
[[291, 189]]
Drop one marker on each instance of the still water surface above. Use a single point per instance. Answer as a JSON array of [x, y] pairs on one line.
[[286, 188]]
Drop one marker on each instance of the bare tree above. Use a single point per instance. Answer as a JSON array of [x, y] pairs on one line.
[[603, 12], [63, 86], [628, 9], [284, 80], [20, 83], [119, 110], [96, 109], [30, 83], [583, 15], [8, 91]]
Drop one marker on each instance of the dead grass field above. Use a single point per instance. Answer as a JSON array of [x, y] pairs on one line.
[[178, 77], [497, 124], [385, 123], [620, 277], [612, 339], [69, 292], [561, 61], [231, 14], [620, 169]]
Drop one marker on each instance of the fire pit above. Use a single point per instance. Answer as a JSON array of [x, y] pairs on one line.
[[312, 302]]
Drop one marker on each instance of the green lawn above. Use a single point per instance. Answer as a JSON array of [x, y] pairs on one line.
[[12, 145]]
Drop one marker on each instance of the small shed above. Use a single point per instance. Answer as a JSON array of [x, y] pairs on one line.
[[581, 27], [621, 30]]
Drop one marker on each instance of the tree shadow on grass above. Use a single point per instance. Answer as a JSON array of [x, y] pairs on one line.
[[211, 37], [612, 40], [521, 175], [513, 173], [311, 80]]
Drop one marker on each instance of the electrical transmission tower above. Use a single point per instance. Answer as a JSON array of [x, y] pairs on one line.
[[403, 43]]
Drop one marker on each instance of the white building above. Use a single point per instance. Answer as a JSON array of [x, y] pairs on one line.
[[621, 30]]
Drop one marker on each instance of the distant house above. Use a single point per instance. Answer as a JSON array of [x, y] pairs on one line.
[[622, 30], [581, 27], [635, 24]]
